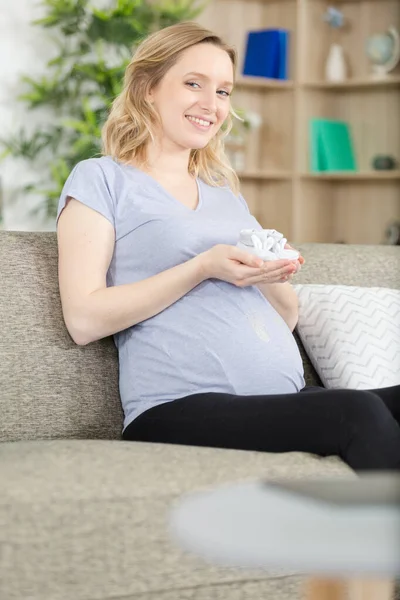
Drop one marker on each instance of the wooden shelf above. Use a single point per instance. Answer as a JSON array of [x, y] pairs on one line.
[[245, 81], [353, 1], [350, 84], [265, 175], [359, 176], [353, 207]]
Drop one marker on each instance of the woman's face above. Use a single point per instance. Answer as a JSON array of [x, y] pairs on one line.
[[196, 88]]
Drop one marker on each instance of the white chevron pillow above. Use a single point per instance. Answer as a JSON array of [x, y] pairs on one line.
[[351, 334]]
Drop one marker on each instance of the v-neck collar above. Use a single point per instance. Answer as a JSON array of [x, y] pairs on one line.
[[154, 181]]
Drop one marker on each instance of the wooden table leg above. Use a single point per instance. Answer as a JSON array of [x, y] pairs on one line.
[[371, 589], [354, 589], [325, 589]]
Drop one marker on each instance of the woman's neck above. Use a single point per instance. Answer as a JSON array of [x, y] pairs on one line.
[[170, 175], [171, 166]]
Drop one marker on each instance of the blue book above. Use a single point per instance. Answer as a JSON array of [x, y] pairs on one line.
[[261, 59], [266, 53], [283, 54]]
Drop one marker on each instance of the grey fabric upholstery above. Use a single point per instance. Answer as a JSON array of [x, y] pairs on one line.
[[83, 515], [88, 519]]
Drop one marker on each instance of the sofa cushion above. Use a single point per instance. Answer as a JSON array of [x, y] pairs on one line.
[[88, 519], [50, 387], [350, 264], [351, 334]]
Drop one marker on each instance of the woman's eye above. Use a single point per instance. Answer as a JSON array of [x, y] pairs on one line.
[[223, 92]]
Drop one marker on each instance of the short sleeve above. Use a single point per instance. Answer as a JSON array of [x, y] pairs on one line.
[[88, 184], [244, 203], [252, 221]]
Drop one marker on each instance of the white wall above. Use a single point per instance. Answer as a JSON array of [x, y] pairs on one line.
[[24, 50]]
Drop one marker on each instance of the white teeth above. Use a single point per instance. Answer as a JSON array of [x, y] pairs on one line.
[[200, 121]]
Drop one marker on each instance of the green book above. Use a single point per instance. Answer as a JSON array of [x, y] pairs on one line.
[[331, 146]]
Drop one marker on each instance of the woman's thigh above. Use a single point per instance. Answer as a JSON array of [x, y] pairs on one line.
[[391, 398], [389, 395], [314, 420]]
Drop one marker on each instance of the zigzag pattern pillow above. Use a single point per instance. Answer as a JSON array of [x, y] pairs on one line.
[[351, 334]]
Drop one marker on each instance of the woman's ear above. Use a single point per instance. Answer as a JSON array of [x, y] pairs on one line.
[[150, 96]]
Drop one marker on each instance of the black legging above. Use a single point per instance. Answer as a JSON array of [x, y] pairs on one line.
[[362, 427]]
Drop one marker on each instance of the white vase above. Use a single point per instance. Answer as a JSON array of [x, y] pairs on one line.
[[335, 67]]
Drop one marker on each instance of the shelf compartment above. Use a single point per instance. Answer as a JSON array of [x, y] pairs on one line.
[[261, 175], [247, 82], [351, 84], [358, 176]]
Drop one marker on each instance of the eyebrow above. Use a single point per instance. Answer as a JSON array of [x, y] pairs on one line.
[[206, 77]]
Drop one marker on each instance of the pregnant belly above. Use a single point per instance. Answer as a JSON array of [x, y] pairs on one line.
[[264, 360], [251, 352], [217, 344]]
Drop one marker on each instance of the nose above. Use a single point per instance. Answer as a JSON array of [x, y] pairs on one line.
[[208, 101]]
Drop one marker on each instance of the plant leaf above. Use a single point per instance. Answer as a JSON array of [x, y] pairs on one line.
[[78, 84]]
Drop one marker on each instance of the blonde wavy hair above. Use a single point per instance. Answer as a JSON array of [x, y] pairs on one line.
[[132, 119]]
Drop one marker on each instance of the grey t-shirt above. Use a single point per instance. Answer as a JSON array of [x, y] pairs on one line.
[[218, 337]]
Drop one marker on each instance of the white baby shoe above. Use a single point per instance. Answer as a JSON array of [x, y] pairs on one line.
[[268, 244]]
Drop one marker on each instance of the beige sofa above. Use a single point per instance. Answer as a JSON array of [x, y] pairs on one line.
[[83, 514]]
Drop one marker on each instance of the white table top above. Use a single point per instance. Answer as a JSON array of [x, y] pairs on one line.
[[256, 524]]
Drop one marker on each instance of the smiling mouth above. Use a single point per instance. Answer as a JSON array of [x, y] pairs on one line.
[[203, 123]]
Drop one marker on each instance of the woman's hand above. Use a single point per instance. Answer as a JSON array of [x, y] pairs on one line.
[[300, 261], [241, 268]]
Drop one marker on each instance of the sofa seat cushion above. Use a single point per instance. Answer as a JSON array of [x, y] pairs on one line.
[[87, 519]]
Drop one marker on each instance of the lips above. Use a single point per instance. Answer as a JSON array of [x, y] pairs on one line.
[[202, 118]]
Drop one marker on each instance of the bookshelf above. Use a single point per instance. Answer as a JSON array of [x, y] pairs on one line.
[[276, 182]]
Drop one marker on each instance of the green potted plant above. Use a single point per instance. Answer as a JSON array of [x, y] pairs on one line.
[[93, 47]]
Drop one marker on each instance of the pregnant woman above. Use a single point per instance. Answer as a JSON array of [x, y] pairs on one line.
[[147, 238]]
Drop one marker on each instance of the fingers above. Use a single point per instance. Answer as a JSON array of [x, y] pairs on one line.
[[297, 264], [251, 260], [265, 279], [246, 258], [277, 277], [279, 268], [272, 272], [300, 259]]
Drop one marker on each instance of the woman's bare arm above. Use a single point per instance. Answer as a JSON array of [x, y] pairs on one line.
[[91, 309], [284, 299]]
